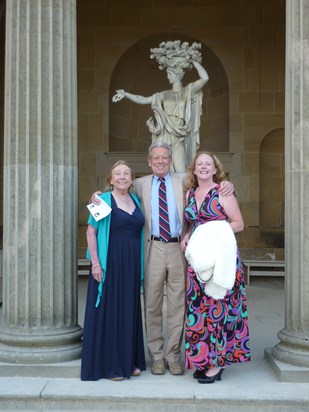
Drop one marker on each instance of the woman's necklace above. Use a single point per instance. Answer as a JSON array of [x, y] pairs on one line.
[[125, 203], [125, 199]]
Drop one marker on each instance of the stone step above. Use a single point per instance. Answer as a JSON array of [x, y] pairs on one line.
[[151, 394]]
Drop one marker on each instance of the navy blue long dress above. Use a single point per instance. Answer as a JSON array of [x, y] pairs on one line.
[[113, 336]]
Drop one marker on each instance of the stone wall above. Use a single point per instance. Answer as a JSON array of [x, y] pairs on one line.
[[243, 51]]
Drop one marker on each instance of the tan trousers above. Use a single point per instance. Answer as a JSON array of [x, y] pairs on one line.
[[166, 264]]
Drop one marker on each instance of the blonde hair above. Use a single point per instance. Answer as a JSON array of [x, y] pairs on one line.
[[218, 177], [109, 175]]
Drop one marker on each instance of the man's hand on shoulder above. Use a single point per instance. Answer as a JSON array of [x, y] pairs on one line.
[[226, 188], [94, 199]]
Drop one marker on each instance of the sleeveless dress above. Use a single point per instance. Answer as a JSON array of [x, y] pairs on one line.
[[113, 342], [216, 332]]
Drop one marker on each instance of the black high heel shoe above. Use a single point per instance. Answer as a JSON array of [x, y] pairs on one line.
[[210, 379], [199, 373]]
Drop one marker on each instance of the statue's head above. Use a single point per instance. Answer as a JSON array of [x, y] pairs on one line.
[[177, 71]]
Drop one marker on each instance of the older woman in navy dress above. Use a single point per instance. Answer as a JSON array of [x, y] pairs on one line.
[[113, 345]]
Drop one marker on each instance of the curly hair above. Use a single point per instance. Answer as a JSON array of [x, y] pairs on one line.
[[175, 54], [108, 186], [218, 177]]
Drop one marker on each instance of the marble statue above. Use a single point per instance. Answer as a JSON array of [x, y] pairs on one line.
[[176, 112]]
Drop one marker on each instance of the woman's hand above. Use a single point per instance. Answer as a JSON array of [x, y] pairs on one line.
[[97, 272], [120, 94], [96, 268], [226, 188], [184, 242]]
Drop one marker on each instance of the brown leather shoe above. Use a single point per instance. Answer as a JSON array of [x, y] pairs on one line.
[[158, 367], [175, 368]]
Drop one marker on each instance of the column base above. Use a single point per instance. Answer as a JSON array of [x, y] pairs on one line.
[[286, 372], [61, 370], [66, 345], [293, 347]]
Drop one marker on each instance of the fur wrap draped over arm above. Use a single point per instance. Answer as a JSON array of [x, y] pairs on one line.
[[212, 254]]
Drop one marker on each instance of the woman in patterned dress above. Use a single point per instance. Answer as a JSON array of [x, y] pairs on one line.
[[216, 329]]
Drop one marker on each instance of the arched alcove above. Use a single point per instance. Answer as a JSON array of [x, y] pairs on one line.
[[136, 73], [271, 159]]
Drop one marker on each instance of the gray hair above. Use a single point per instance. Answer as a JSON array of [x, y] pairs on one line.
[[160, 144]]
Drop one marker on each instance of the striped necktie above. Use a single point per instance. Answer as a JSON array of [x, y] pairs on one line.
[[164, 224]]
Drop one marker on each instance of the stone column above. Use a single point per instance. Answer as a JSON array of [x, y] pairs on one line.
[[39, 323], [293, 347]]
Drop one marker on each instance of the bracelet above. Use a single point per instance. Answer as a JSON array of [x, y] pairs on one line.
[[95, 266]]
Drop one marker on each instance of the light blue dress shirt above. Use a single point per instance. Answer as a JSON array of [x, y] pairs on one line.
[[174, 220]]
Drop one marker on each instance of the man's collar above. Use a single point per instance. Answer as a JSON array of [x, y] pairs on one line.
[[167, 176]]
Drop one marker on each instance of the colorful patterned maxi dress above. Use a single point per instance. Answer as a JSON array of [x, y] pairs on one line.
[[216, 330]]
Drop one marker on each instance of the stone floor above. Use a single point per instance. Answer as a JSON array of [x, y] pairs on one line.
[[250, 387]]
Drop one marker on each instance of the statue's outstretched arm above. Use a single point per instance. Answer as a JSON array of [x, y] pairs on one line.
[[199, 84], [121, 94]]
